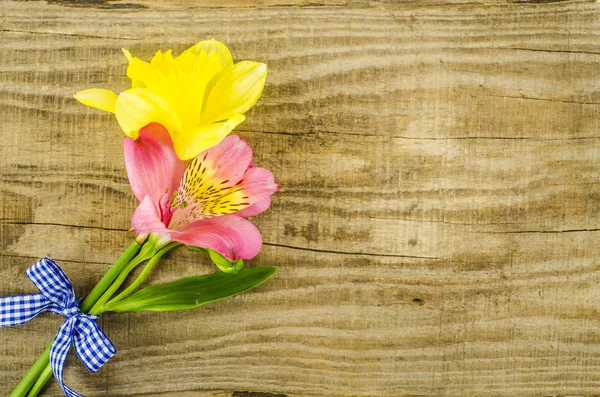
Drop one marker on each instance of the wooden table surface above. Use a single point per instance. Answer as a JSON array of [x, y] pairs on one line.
[[438, 229]]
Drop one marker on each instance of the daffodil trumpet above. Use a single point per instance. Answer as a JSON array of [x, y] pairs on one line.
[[199, 96]]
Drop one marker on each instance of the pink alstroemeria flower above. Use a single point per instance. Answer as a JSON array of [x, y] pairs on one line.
[[200, 203]]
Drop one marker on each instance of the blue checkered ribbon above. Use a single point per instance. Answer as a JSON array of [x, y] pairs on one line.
[[57, 296]]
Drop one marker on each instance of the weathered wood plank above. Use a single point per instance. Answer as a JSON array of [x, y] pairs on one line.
[[437, 230]]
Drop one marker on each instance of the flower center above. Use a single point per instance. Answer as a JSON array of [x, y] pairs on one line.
[[204, 194]]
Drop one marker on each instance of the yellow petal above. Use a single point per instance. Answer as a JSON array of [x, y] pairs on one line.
[[234, 91], [184, 86], [163, 62], [98, 98], [213, 47], [127, 54], [138, 107], [190, 144], [141, 73]]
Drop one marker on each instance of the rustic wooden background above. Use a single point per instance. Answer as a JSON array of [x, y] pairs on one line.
[[438, 232]]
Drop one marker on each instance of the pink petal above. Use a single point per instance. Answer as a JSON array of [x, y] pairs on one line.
[[152, 166], [147, 217], [255, 209], [258, 184], [229, 235], [228, 160], [209, 181]]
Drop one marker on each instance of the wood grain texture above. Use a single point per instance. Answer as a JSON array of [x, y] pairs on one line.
[[438, 232]]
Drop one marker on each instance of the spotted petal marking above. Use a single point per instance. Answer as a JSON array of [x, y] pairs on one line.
[[203, 194]]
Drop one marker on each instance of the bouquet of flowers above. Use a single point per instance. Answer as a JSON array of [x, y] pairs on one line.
[[196, 185]]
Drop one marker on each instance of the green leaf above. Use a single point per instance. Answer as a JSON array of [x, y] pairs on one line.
[[191, 292], [224, 264]]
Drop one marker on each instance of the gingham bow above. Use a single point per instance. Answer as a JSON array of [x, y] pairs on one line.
[[57, 296]]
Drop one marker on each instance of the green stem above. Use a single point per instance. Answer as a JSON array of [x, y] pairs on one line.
[[41, 382], [109, 277], [147, 252], [140, 279], [31, 376], [43, 362]]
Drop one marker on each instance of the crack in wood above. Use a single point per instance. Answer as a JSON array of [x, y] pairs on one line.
[[351, 253], [256, 394]]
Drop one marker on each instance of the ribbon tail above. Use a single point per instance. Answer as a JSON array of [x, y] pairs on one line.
[[59, 352], [91, 344], [15, 310]]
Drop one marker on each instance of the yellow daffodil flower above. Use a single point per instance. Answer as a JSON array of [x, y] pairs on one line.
[[199, 96]]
